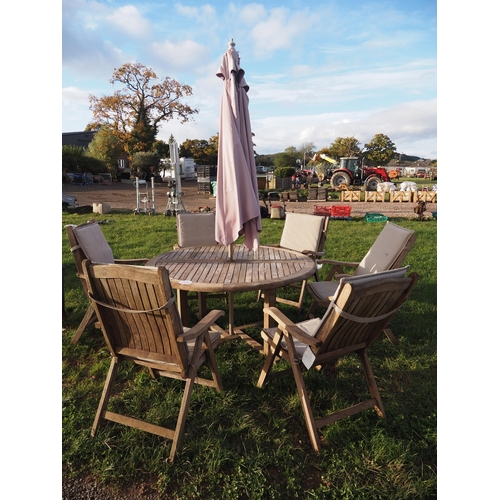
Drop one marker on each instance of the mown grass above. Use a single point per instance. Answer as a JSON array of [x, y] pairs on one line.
[[252, 443]]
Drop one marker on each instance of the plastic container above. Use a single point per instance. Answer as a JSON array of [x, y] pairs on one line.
[[373, 217], [340, 211]]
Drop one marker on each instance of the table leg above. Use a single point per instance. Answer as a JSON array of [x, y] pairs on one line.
[[231, 312], [202, 304], [269, 301], [182, 305]]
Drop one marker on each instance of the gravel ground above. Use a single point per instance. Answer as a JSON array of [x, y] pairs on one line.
[[122, 197]]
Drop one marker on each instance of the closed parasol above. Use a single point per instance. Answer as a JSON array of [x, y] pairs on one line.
[[237, 201]]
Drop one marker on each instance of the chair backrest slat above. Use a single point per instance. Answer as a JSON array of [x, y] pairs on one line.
[[372, 296], [153, 331]]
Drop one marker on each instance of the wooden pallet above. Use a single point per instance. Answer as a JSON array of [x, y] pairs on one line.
[[374, 196], [401, 196], [427, 196], [350, 196]]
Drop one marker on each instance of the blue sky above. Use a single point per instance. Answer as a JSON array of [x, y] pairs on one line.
[[316, 70]]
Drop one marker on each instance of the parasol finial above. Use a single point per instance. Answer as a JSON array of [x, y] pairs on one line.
[[231, 45]]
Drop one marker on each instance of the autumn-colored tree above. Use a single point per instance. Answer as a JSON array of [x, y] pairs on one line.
[[136, 111], [380, 150], [344, 146]]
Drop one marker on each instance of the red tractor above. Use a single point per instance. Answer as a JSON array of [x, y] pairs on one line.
[[351, 171]]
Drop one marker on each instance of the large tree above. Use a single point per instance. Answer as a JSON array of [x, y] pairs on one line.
[[380, 150], [286, 159], [203, 152], [106, 146], [344, 146], [137, 109], [77, 159]]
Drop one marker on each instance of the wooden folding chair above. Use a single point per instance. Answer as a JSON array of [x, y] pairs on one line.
[[357, 315], [197, 229], [88, 242], [387, 252], [307, 234], [135, 306]]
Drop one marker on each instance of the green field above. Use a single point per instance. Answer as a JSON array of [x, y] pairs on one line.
[[252, 443]]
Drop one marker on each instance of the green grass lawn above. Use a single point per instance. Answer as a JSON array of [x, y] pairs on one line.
[[252, 443]]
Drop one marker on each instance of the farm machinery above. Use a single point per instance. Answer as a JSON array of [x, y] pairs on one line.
[[351, 171]]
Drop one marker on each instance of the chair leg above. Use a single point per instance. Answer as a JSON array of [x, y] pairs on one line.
[[392, 338], [304, 399], [302, 293], [106, 393], [89, 317], [181, 420], [271, 349], [212, 363], [310, 312], [370, 379]]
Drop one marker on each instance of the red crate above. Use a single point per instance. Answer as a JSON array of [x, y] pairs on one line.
[[340, 211], [320, 210]]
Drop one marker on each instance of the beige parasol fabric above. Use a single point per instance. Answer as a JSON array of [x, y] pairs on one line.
[[237, 200]]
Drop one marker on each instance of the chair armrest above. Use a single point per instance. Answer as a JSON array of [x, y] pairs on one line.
[[202, 326], [337, 270], [313, 254], [131, 261], [289, 326], [338, 263]]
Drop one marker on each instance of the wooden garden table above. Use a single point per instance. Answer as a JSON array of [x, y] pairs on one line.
[[209, 269]]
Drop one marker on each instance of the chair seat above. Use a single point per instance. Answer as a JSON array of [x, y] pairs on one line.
[[323, 291], [309, 327]]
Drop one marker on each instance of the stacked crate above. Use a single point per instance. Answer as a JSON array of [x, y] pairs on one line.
[[312, 194], [206, 174], [322, 194]]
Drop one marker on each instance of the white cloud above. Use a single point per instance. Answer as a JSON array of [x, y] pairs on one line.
[[203, 14], [74, 95], [250, 14], [129, 20], [279, 31], [274, 134], [179, 55]]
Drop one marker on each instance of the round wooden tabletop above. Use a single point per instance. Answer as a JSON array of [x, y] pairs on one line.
[[209, 269]]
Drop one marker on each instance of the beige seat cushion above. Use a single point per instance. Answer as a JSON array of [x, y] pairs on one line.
[[312, 329], [302, 232], [322, 290], [94, 244], [386, 249], [196, 229], [327, 291]]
